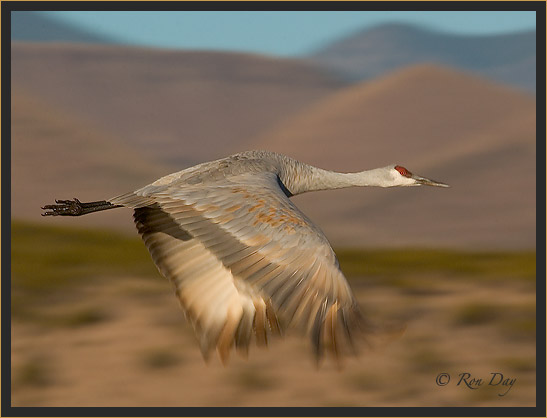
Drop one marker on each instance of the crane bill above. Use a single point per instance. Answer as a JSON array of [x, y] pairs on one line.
[[422, 181]]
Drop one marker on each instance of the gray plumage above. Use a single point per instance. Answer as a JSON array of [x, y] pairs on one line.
[[245, 262]]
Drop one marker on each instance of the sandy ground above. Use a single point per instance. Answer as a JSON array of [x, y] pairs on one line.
[[124, 342]]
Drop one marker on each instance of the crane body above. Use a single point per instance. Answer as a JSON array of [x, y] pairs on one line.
[[244, 261]]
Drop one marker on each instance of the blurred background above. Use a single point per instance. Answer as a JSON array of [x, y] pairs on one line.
[[106, 102]]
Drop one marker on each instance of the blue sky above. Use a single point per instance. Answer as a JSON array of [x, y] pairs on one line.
[[276, 33]]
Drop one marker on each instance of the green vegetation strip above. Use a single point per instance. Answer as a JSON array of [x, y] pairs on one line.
[[49, 257], [46, 257], [426, 262]]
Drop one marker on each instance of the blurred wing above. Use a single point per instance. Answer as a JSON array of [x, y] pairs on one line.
[[245, 260]]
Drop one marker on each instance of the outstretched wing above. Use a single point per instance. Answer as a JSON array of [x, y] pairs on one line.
[[244, 259]]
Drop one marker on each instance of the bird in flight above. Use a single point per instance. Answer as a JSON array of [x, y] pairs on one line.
[[244, 261]]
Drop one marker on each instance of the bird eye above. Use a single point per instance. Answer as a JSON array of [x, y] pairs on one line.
[[403, 171]]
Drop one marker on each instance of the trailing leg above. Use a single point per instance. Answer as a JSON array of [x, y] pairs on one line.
[[76, 208]]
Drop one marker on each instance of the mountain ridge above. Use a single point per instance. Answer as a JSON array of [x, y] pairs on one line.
[[33, 26], [200, 101], [439, 123], [368, 53]]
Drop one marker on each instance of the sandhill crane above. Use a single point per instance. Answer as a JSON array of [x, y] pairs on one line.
[[242, 258]]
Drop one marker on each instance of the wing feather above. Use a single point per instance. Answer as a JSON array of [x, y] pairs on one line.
[[243, 259]]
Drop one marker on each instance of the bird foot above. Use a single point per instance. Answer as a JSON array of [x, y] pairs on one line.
[[75, 207], [64, 208]]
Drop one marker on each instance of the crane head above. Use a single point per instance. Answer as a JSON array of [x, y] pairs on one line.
[[403, 177]]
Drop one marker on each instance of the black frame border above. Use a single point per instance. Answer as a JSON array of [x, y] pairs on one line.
[[8, 6]]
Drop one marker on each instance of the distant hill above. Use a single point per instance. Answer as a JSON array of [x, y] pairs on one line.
[[94, 121], [57, 156], [439, 123], [35, 27], [509, 58], [178, 107]]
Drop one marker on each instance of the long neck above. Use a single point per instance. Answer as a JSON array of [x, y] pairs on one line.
[[305, 178]]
